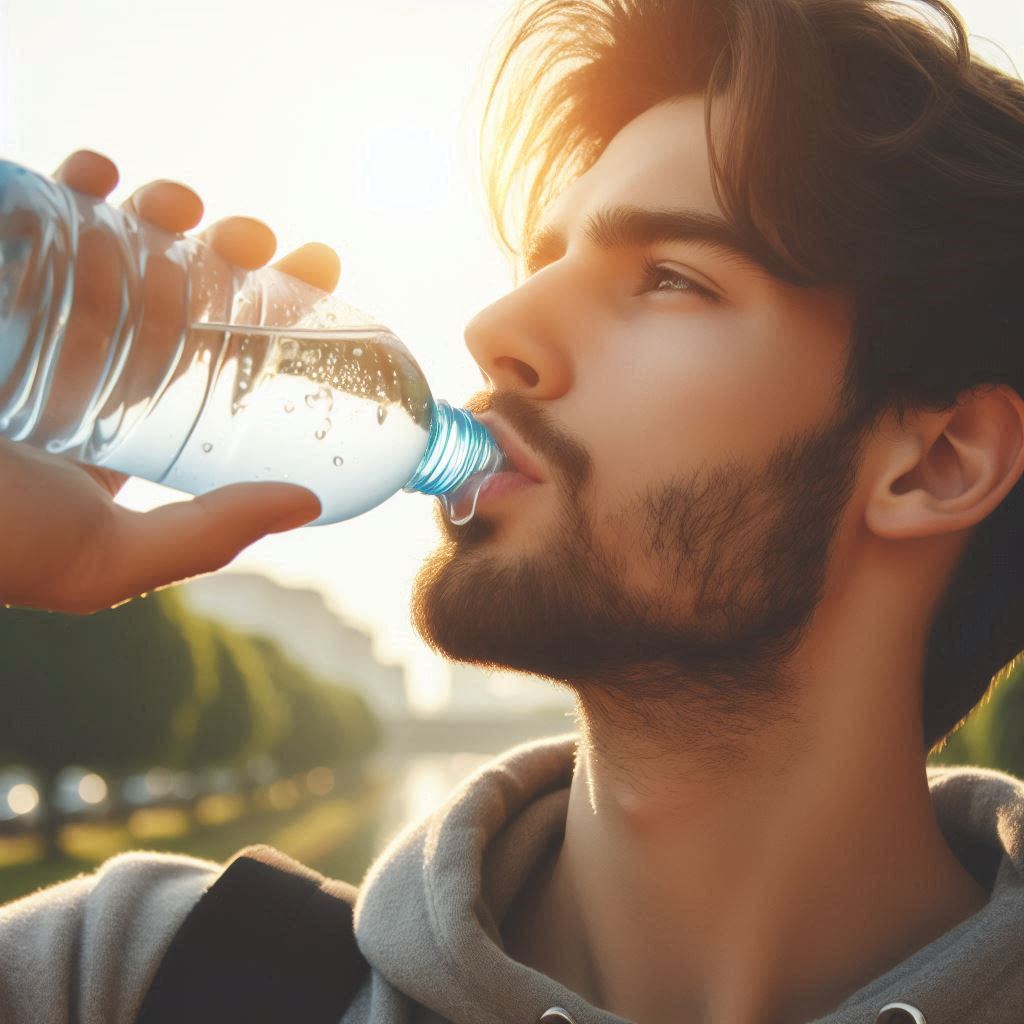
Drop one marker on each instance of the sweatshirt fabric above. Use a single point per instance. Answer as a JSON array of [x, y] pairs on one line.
[[430, 909]]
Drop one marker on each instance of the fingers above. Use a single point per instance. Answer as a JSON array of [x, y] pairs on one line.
[[244, 241], [189, 538], [315, 263], [88, 172], [249, 243], [167, 204]]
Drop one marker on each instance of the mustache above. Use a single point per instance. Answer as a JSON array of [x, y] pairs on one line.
[[569, 457]]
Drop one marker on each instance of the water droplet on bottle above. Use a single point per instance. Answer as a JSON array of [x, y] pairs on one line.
[[310, 400], [382, 414], [207, 447], [357, 352], [324, 429], [289, 407], [338, 460], [243, 385]]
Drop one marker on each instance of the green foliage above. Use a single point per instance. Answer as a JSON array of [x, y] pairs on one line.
[[993, 735], [103, 690], [243, 714], [151, 683], [328, 723], [360, 728]]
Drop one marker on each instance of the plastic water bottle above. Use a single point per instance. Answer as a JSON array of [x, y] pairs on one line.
[[124, 346]]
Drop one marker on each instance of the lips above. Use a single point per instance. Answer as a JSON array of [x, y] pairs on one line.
[[517, 455]]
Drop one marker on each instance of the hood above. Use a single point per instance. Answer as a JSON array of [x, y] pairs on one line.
[[429, 910]]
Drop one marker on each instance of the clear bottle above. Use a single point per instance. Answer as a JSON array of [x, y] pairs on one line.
[[124, 346]]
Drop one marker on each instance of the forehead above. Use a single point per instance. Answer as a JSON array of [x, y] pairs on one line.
[[659, 160]]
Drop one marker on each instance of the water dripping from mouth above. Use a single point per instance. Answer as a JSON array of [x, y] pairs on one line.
[[460, 505]]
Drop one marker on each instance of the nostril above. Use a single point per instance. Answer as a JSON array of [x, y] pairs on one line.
[[526, 373]]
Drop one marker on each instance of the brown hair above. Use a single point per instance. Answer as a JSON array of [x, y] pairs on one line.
[[867, 148]]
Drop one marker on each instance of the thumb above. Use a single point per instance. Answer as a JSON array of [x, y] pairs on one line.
[[254, 510], [188, 538]]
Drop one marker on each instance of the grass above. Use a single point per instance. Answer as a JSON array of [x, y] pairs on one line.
[[331, 834]]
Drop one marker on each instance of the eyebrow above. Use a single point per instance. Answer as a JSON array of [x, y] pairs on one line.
[[623, 227]]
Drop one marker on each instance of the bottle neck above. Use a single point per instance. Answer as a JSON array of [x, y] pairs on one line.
[[458, 447]]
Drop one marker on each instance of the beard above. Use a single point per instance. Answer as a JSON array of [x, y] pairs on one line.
[[734, 562]]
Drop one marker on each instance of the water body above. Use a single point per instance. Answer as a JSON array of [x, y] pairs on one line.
[[419, 786]]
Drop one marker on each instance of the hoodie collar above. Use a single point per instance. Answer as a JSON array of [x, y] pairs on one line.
[[430, 908]]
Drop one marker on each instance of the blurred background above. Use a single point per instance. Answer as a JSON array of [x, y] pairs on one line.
[[287, 699]]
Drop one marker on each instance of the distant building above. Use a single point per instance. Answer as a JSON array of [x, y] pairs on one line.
[[308, 631]]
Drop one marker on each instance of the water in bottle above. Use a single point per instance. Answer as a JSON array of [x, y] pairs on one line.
[[127, 347]]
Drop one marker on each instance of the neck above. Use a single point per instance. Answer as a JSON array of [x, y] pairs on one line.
[[762, 881]]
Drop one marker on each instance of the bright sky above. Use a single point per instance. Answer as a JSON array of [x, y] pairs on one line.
[[341, 121]]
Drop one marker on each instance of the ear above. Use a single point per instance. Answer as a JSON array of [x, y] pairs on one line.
[[945, 472]]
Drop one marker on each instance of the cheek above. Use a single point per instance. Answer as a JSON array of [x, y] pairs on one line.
[[662, 407], [724, 387]]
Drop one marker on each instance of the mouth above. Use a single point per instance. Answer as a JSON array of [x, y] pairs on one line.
[[518, 459]]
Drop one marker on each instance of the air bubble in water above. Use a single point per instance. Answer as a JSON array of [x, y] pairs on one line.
[[357, 352], [207, 447], [338, 460], [382, 414], [289, 407], [324, 429]]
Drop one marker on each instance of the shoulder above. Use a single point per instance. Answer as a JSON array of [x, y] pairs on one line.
[[94, 942]]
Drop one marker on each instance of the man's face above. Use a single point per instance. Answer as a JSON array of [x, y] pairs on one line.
[[678, 403]]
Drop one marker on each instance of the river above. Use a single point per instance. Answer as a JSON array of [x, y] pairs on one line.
[[420, 785]]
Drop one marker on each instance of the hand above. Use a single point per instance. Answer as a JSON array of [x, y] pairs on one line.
[[65, 545]]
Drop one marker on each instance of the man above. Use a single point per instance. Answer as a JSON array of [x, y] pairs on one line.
[[762, 384]]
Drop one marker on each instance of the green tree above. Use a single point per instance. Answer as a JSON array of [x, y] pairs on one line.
[[327, 723], [993, 735], [111, 690], [241, 713]]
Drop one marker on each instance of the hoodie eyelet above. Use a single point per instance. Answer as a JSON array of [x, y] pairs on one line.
[[556, 1015], [900, 1013]]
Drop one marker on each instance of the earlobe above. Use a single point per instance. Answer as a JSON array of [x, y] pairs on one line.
[[945, 472]]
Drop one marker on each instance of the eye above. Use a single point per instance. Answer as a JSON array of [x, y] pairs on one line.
[[659, 278]]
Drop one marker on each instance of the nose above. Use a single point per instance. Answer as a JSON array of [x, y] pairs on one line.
[[522, 342]]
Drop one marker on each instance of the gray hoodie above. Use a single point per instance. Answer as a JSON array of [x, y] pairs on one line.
[[429, 912]]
